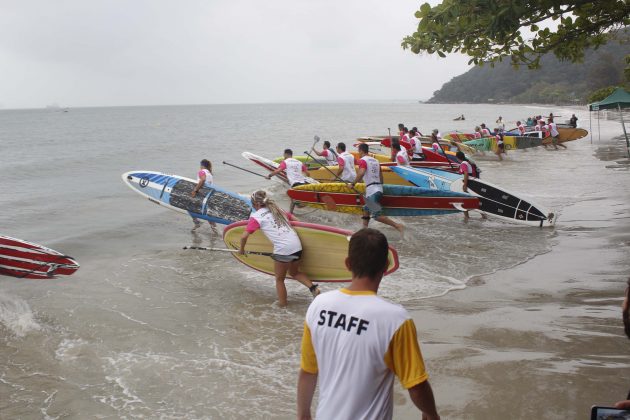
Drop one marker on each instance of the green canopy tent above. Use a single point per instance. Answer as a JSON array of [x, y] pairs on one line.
[[618, 99]]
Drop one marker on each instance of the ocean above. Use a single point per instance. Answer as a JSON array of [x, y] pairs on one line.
[[146, 329]]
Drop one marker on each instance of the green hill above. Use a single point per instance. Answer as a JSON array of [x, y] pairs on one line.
[[554, 82]]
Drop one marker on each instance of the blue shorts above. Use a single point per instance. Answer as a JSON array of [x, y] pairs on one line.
[[374, 198]]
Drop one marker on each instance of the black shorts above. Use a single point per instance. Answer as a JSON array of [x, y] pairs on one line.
[[287, 258]]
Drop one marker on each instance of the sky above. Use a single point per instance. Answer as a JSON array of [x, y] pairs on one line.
[[160, 52]]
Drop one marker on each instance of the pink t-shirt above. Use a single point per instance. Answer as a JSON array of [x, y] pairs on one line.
[[465, 167]]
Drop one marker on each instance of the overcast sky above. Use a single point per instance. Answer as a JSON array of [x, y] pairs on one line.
[[150, 52]]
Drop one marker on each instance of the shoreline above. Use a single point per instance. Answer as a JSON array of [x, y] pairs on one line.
[[541, 339]]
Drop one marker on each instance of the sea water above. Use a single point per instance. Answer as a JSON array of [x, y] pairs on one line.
[[147, 330]]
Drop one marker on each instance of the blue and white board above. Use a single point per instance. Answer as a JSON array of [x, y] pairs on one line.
[[493, 200], [174, 192]]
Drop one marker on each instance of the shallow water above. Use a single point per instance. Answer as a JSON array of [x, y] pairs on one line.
[[146, 329]]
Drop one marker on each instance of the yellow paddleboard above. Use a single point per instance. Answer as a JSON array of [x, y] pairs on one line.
[[389, 176], [324, 248]]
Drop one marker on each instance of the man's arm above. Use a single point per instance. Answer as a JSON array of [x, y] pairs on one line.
[[360, 174], [305, 391], [465, 186], [422, 397]]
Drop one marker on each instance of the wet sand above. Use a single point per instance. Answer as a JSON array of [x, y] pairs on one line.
[[544, 339]]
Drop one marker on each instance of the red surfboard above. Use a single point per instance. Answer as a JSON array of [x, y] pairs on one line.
[[24, 259]]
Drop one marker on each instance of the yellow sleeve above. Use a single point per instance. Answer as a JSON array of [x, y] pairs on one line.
[[309, 360], [404, 358]]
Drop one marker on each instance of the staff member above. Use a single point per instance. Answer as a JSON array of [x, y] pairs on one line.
[[355, 342]]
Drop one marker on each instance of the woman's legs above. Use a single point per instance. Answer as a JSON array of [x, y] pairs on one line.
[[280, 270], [294, 271]]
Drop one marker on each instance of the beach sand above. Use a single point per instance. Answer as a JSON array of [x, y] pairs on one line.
[[544, 339]]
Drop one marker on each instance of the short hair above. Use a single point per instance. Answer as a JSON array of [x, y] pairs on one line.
[[396, 146], [405, 130], [368, 253], [364, 148], [327, 143], [341, 146], [460, 155], [288, 152], [401, 125]]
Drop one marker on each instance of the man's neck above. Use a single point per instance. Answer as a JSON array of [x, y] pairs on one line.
[[362, 284]]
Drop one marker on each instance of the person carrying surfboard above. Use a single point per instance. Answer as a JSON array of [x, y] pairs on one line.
[[370, 173], [296, 171], [467, 169], [287, 248], [204, 180], [555, 135], [500, 145], [345, 160], [416, 145], [355, 343], [329, 154]]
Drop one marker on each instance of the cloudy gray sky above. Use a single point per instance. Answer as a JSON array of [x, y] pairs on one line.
[[149, 52]]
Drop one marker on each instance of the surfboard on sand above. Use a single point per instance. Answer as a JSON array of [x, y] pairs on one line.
[[324, 248], [174, 192], [22, 259], [397, 200], [493, 200]]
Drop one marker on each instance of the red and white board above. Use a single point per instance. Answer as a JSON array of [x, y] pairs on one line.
[[24, 259]]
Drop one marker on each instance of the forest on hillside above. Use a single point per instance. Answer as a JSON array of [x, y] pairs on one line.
[[555, 82]]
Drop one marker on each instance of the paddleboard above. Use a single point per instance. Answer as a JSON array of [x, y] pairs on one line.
[[568, 133], [324, 248], [397, 200], [22, 259], [270, 166], [431, 161], [493, 200], [174, 192], [310, 163], [389, 177]]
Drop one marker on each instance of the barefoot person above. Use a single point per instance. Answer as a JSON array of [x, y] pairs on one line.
[[204, 180], [402, 156], [555, 135], [370, 173], [500, 145], [287, 248], [467, 169], [355, 342]]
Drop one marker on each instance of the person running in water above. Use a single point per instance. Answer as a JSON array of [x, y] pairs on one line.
[[466, 168], [287, 248], [345, 160], [204, 180], [329, 154], [370, 173]]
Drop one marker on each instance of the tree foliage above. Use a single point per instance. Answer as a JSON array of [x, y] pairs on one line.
[[491, 30]]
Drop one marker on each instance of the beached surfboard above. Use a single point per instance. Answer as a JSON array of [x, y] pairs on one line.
[[493, 200], [324, 248], [174, 192], [397, 200], [22, 259]]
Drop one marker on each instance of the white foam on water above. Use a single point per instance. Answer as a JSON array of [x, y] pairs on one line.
[[16, 315], [69, 349]]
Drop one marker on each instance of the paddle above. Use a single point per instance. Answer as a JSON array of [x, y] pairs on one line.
[[372, 205], [243, 169], [203, 248]]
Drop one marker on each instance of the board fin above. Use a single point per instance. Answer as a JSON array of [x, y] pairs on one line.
[[458, 206]]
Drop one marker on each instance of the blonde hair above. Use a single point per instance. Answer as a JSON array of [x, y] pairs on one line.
[[261, 199]]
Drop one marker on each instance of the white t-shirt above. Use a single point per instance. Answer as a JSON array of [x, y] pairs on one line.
[[357, 342], [553, 129], [331, 157], [346, 160], [402, 158], [465, 166], [284, 239], [209, 179], [416, 145], [485, 132], [294, 169], [372, 176]]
